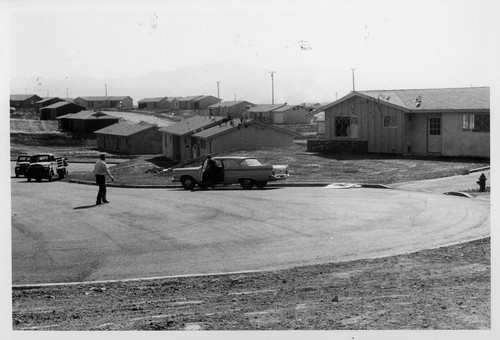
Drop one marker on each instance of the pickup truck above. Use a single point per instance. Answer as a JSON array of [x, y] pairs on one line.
[[22, 164], [46, 165], [246, 171]]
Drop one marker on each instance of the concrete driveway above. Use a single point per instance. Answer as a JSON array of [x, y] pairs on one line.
[[58, 235]]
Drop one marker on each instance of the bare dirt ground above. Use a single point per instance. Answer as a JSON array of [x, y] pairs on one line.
[[445, 288]]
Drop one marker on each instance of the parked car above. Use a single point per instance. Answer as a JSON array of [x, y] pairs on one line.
[[46, 165], [246, 171], [22, 164]]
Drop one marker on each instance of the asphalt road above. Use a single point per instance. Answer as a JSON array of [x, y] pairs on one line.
[[58, 235]]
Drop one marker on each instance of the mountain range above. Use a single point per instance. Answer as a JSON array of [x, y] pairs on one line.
[[236, 81]]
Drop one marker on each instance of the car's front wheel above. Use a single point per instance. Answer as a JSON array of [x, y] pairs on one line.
[[188, 183], [247, 183]]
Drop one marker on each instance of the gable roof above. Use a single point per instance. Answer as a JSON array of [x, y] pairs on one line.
[[428, 100], [152, 100], [125, 129], [230, 103], [23, 97], [60, 104], [87, 115], [190, 125], [47, 99], [104, 98], [188, 98], [265, 107], [237, 124]]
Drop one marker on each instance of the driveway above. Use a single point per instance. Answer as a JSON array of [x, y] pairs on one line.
[[58, 235]]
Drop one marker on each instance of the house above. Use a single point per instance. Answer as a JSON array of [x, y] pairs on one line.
[[86, 121], [279, 114], [240, 133], [155, 103], [59, 109], [442, 122], [230, 108], [98, 102], [203, 102], [24, 102], [319, 120], [290, 114], [186, 103], [177, 143], [130, 139], [46, 102]]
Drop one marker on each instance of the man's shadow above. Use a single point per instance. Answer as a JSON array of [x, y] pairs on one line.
[[85, 207]]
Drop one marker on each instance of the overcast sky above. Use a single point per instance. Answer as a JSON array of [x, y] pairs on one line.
[[391, 44]]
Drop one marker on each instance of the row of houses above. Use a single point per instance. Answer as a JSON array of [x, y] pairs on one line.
[[33, 102], [441, 122]]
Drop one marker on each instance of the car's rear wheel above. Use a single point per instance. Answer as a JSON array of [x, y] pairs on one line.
[[188, 183], [247, 183]]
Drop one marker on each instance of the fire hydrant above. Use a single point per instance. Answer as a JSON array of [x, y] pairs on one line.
[[482, 183]]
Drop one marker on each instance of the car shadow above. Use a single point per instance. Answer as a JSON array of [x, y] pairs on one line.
[[228, 189], [85, 207]]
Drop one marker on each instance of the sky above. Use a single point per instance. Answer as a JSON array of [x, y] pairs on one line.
[[312, 46]]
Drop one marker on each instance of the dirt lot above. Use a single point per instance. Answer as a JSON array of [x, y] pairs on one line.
[[445, 288]]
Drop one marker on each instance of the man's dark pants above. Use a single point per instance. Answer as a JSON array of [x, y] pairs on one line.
[[101, 182]]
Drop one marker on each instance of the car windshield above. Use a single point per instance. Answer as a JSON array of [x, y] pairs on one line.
[[23, 158], [250, 162], [39, 158]]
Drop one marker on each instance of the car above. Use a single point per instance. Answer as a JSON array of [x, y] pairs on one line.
[[245, 171], [22, 164], [46, 165]]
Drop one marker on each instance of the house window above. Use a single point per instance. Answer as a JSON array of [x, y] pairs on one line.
[[203, 144], [390, 121], [435, 126], [346, 127], [476, 123]]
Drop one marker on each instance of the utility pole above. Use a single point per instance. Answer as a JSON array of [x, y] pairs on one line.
[[67, 93], [272, 84], [218, 96], [106, 90], [353, 88]]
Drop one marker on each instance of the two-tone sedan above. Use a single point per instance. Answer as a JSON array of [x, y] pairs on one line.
[[245, 171]]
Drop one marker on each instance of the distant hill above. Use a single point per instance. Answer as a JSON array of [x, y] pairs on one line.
[[240, 81]]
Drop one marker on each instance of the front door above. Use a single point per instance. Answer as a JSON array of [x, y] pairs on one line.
[[434, 134]]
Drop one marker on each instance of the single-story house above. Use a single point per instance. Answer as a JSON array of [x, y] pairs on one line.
[[59, 109], [177, 142], [443, 122], [129, 138], [279, 114], [185, 103], [24, 102], [46, 102], [203, 102], [103, 102], [240, 133], [86, 121], [319, 120], [235, 109], [155, 103]]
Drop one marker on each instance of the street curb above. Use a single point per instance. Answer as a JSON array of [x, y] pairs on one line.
[[275, 185], [479, 169]]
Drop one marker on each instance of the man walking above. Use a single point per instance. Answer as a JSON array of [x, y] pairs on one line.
[[101, 170]]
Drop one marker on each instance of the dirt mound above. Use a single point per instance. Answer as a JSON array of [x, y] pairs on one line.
[[33, 126]]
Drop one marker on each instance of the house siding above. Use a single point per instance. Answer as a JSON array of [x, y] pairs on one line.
[[251, 137], [370, 117], [145, 142]]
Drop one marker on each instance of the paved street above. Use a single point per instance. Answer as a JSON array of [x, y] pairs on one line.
[[58, 235]]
